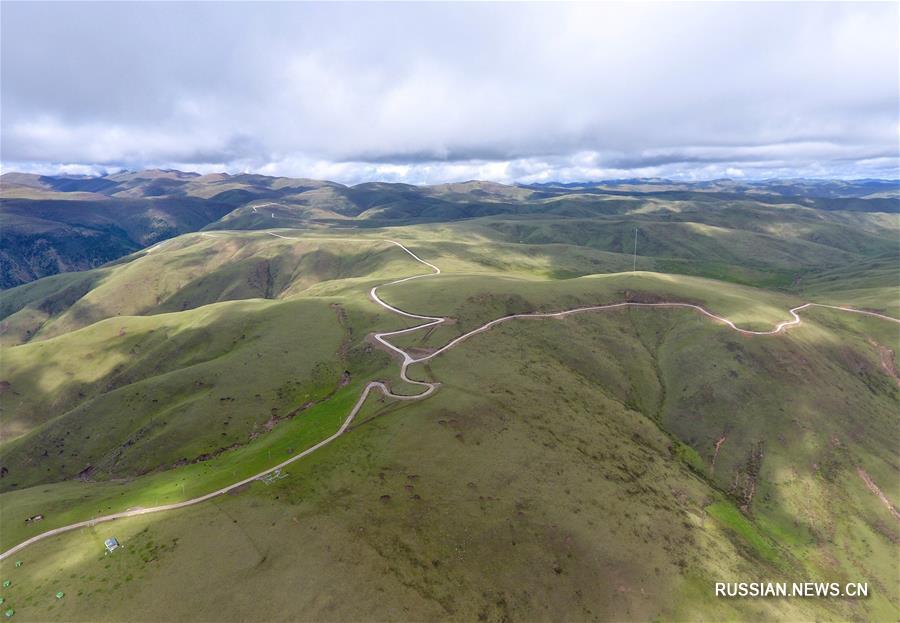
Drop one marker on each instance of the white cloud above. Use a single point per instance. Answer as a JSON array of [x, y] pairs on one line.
[[426, 92]]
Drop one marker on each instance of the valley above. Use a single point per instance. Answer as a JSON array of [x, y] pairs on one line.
[[585, 438]]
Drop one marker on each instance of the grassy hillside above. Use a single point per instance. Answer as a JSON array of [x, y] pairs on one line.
[[41, 236], [871, 283], [163, 389], [610, 465], [193, 382], [540, 478], [760, 234], [190, 272]]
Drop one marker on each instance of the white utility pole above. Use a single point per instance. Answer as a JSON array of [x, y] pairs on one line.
[[634, 266]]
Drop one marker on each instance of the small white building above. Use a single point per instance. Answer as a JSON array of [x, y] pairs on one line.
[[111, 544]]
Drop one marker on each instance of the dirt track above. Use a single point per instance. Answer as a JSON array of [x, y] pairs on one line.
[[408, 360]]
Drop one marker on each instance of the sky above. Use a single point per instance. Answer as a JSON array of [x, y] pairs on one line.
[[430, 93]]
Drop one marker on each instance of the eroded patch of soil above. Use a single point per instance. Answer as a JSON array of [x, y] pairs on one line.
[[871, 486], [888, 361]]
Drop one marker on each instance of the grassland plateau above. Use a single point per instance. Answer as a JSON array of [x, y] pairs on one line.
[[609, 464]]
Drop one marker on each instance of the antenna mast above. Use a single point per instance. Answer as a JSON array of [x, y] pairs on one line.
[[634, 266]]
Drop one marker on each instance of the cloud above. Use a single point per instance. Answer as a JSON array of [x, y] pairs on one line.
[[434, 92]]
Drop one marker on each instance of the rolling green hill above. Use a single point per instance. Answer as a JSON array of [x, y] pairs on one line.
[[61, 224], [608, 465]]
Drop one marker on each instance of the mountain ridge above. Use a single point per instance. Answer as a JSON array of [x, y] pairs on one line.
[[54, 224]]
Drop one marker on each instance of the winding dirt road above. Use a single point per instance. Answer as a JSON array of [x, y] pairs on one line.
[[408, 360]]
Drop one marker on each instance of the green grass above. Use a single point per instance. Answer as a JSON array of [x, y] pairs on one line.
[[161, 389], [473, 300], [729, 516], [691, 458], [868, 284], [193, 270], [71, 501], [546, 454], [563, 469]]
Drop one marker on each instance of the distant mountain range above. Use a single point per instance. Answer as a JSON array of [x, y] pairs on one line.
[[800, 187], [53, 224]]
